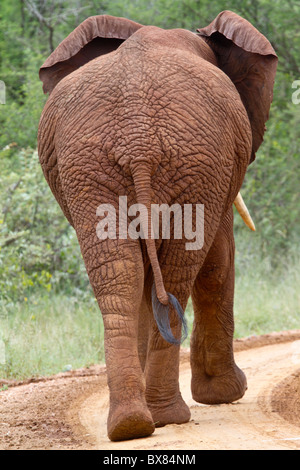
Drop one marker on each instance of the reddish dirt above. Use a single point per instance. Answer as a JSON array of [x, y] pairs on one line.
[[69, 411]]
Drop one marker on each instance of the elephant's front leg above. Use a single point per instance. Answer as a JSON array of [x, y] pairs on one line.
[[215, 376]]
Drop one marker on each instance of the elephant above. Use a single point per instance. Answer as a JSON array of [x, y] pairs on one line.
[[157, 117]]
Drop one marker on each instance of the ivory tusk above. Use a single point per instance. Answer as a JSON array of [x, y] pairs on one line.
[[243, 211]]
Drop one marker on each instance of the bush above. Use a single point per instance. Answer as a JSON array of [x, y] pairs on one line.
[[38, 248], [271, 186]]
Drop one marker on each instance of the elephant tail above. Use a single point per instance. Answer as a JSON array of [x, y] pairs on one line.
[[161, 300]]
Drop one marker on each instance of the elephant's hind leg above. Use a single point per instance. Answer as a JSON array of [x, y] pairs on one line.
[[119, 300], [116, 273], [215, 376], [145, 315], [163, 395]]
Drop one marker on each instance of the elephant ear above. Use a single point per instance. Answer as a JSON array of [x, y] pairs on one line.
[[97, 35], [250, 61]]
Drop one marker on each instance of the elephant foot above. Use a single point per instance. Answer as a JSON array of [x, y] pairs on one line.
[[130, 422], [212, 390], [170, 413]]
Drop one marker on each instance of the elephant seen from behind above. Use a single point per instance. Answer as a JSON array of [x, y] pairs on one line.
[[146, 117]]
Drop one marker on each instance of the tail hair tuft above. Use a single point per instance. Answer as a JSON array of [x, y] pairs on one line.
[[161, 315]]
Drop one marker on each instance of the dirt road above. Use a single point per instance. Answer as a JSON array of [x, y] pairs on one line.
[[69, 411]]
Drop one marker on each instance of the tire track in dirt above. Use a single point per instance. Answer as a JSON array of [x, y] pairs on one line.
[[69, 411]]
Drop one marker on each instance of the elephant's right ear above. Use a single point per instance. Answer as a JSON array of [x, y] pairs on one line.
[[97, 35], [248, 58]]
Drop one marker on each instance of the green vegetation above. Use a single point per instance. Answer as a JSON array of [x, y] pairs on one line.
[[46, 335], [266, 299], [49, 319]]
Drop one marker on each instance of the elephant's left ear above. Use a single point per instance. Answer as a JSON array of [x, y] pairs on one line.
[[97, 35], [248, 58]]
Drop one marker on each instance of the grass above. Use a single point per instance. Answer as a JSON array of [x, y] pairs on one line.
[[267, 300], [48, 334]]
